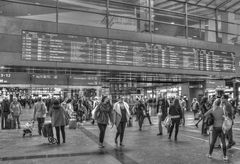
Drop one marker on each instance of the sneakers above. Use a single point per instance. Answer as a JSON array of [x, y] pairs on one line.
[[159, 134], [225, 158], [209, 156], [122, 145], [116, 142], [100, 145]]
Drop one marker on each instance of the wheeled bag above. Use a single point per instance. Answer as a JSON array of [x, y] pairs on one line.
[[72, 123]]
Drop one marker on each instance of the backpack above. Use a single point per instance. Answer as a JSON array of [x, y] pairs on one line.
[[210, 120]]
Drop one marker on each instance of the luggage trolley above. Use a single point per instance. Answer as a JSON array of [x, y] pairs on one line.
[[47, 132]]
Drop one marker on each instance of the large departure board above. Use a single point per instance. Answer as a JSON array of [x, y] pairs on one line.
[[54, 47]]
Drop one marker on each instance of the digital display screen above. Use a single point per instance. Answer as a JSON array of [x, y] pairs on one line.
[[39, 46]]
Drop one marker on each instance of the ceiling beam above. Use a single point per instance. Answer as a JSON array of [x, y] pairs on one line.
[[210, 2], [222, 4], [235, 11], [160, 3], [198, 2], [232, 5]]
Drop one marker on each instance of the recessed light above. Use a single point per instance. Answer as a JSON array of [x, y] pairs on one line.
[[172, 23]]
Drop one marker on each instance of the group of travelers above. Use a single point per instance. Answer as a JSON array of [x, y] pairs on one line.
[[216, 108], [119, 115]]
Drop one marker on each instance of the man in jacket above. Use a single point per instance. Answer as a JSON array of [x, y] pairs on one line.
[[227, 107], [16, 110], [5, 111], [39, 114]]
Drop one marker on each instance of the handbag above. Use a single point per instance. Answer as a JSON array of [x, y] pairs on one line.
[[210, 120], [167, 122], [67, 118], [227, 123]]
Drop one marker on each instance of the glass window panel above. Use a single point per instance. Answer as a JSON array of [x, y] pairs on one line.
[[125, 10], [169, 29], [28, 12], [129, 24], [201, 11], [97, 6], [168, 17], [81, 18], [170, 6]]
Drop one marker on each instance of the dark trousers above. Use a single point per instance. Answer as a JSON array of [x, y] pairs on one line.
[[229, 136], [183, 116], [16, 119], [120, 131], [140, 121], [175, 122], [217, 132], [149, 118], [58, 133], [40, 125], [102, 128], [4, 119]]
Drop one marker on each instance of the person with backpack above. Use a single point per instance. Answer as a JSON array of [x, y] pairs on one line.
[[57, 114], [5, 111], [195, 108], [39, 114], [16, 110], [217, 112]]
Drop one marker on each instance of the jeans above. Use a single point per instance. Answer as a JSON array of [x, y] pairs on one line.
[[140, 121], [40, 125], [229, 137], [16, 118], [58, 133], [102, 128], [4, 119], [217, 131], [175, 122], [149, 118], [120, 131], [160, 122]]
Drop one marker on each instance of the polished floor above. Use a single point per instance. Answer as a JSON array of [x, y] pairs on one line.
[[141, 147]]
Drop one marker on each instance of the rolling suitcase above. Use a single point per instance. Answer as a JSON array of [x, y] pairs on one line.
[[8, 124], [47, 132]]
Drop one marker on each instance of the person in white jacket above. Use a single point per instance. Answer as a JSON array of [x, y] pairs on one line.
[[121, 116]]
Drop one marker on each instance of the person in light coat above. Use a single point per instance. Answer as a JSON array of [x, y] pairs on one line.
[[39, 113], [16, 110], [121, 116], [57, 114]]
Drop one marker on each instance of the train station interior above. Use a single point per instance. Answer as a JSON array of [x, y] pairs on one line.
[[147, 49]]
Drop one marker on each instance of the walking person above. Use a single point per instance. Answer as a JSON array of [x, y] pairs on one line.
[[16, 110], [39, 114], [102, 115], [5, 111], [175, 113], [183, 105], [57, 114], [121, 115], [227, 107], [140, 113], [217, 112], [195, 108]]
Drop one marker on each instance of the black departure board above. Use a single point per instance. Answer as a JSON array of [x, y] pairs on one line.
[[39, 46]]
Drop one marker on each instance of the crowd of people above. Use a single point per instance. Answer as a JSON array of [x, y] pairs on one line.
[[119, 114]]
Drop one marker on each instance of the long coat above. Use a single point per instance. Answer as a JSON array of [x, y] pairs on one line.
[[117, 115], [57, 115]]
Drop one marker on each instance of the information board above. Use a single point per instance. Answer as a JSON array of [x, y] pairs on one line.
[[39, 46]]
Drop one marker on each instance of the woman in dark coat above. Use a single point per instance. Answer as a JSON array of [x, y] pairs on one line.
[[102, 115], [175, 113], [57, 115]]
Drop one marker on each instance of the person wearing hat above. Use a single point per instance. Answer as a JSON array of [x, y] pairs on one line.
[[57, 114], [121, 115]]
